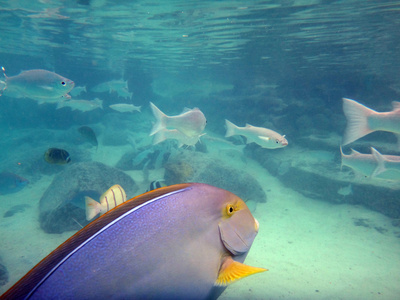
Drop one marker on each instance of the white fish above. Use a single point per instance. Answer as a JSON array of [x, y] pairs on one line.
[[124, 107], [190, 122], [373, 165], [124, 93], [41, 85], [110, 86], [264, 137], [362, 120], [113, 197], [82, 105], [76, 91], [183, 139]]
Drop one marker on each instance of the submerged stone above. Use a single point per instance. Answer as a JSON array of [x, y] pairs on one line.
[[59, 206], [198, 167]]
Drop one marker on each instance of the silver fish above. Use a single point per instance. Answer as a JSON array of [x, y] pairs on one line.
[[41, 85], [264, 137]]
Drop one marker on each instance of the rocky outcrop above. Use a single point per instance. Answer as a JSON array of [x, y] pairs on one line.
[[62, 206], [198, 167]]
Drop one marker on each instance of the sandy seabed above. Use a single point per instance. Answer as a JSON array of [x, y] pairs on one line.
[[313, 249]]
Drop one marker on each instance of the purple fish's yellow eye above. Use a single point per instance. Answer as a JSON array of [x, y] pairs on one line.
[[230, 209]]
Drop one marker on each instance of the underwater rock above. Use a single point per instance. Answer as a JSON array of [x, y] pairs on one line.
[[62, 204], [178, 172], [198, 167], [3, 273], [317, 174]]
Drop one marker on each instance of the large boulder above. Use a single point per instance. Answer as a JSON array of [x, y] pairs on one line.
[[62, 206], [199, 167]]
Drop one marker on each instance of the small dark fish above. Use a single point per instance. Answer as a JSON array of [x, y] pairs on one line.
[[11, 183], [156, 184], [89, 134], [57, 156]]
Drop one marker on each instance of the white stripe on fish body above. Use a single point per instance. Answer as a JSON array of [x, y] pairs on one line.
[[191, 122], [362, 120], [264, 137]]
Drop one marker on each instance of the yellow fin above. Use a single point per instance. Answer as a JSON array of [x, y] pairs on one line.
[[93, 208], [232, 271]]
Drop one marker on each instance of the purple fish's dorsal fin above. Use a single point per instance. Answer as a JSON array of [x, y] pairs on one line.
[[27, 284]]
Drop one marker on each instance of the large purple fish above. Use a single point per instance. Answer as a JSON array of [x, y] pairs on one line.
[[185, 241], [41, 85]]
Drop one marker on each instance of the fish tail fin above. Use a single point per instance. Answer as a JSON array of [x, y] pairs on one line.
[[159, 137], [160, 119], [93, 208], [230, 128], [139, 108], [380, 168], [99, 102], [357, 120]]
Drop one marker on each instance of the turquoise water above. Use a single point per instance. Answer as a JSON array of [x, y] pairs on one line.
[[281, 65]]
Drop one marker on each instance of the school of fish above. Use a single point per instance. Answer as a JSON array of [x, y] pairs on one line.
[[176, 222]]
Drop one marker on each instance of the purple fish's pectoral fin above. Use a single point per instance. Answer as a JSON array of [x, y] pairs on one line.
[[234, 239], [232, 271]]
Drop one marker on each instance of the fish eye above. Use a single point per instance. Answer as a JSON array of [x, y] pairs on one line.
[[230, 209], [63, 83], [277, 141]]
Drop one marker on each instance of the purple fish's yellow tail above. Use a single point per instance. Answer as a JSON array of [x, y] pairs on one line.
[[230, 128], [357, 120], [160, 119], [93, 208]]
